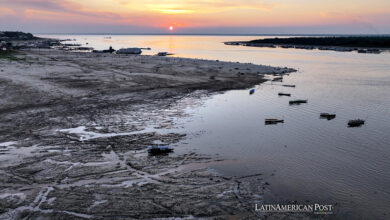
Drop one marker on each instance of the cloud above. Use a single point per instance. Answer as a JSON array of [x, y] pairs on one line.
[[53, 5], [6, 12], [57, 6], [199, 6], [202, 15]]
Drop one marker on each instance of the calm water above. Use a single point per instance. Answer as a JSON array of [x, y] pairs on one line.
[[306, 158]]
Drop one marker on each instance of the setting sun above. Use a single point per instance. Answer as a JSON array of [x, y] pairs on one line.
[[171, 28]]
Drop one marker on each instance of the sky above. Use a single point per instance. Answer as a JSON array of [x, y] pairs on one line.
[[197, 16]]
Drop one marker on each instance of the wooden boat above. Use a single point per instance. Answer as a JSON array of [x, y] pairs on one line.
[[162, 54], [327, 116], [277, 79], [251, 91], [293, 86], [356, 123], [110, 50], [272, 121], [159, 150], [129, 51], [284, 94], [297, 102]]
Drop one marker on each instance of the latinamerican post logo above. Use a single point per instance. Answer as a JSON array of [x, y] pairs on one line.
[[310, 208]]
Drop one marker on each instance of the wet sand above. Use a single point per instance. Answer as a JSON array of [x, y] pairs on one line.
[[75, 127]]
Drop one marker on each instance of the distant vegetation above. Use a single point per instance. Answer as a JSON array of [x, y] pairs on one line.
[[10, 55], [16, 35], [372, 42]]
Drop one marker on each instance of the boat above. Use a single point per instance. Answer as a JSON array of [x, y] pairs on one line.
[[272, 121], [162, 54], [251, 91], [83, 48], [293, 86], [277, 79], [129, 51], [71, 45], [110, 50], [327, 116], [159, 150], [297, 102], [356, 123], [284, 94]]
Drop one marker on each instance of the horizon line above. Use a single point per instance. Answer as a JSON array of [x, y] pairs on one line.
[[208, 34]]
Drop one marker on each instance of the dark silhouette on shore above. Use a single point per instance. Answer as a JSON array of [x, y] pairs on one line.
[[372, 42]]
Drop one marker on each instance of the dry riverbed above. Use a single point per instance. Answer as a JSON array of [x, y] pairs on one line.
[[75, 127]]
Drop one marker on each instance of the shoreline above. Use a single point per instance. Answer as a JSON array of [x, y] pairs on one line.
[[360, 44], [311, 47], [76, 127]]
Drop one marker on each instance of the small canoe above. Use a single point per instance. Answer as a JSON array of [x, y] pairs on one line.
[[297, 102], [293, 86], [251, 92], [162, 54], [271, 121], [356, 123], [327, 116], [158, 150], [284, 94]]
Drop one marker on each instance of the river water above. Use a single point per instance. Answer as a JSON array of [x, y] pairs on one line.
[[307, 159]]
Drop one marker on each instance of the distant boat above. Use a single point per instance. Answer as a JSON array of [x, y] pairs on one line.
[[327, 116], [110, 50], [277, 79], [356, 123], [289, 86], [251, 91], [284, 94], [271, 121], [163, 54], [129, 51], [83, 48], [297, 102], [158, 150]]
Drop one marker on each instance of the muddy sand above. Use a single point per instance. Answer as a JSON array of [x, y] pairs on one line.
[[75, 127]]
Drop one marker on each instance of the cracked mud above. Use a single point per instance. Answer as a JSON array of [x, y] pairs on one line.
[[75, 127]]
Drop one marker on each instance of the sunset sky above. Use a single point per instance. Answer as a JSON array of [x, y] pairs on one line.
[[196, 16]]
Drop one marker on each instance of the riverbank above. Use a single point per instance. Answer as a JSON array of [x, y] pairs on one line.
[[75, 127]]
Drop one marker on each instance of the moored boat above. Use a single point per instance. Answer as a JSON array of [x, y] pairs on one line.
[[284, 94], [297, 102], [159, 150], [327, 116], [129, 51], [162, 54], [356, 123], [270, 121]]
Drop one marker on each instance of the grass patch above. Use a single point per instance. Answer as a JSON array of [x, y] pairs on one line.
[[10, 55]]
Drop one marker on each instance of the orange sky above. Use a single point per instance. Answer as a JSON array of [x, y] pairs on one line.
[[195, 14]]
